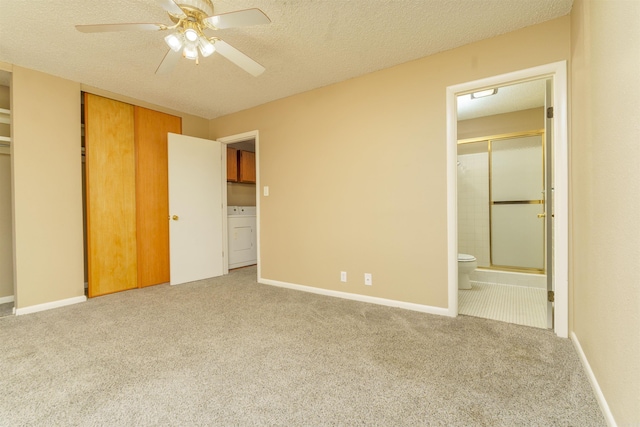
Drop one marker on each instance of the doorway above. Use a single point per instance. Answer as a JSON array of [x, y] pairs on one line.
[[501, 222], [558, 276], [242, 195]]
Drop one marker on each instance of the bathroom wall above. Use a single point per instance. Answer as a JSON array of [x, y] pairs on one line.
[[499, 124]]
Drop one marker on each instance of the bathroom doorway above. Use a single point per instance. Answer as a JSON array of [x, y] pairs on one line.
[[501, 187], [499, 148]]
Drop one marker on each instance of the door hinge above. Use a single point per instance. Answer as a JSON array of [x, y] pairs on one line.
[[550, 296], [550, 113]]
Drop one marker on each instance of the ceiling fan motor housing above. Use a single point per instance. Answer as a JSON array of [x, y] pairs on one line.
[[200, 8]]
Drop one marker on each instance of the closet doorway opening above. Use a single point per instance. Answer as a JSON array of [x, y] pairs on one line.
[[7, 291], [507, 176]]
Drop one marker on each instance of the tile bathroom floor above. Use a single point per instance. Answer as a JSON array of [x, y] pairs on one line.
[[513, 304]]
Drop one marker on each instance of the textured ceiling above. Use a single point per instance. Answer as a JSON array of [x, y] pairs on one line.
[[309, 44]]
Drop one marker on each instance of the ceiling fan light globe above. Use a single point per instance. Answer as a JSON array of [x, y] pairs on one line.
[[174, 42], [206, 47], [191, 35], [190, 52]]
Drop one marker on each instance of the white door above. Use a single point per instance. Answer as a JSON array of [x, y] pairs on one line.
[[195, 208]]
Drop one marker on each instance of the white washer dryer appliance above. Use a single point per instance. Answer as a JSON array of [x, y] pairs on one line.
[[241, 225]]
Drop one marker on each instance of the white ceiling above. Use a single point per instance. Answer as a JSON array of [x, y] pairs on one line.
[[521, 96], [309, 44]]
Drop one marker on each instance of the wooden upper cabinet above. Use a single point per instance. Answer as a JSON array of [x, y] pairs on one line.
[[241, 166], [247, 166], [232, 165]]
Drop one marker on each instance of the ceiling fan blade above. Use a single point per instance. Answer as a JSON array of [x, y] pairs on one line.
[[240, 18], [171, 7], [169, 62], [103, 28], [238, 58]]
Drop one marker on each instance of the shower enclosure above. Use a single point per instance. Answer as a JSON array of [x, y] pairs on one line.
[[501, 185]]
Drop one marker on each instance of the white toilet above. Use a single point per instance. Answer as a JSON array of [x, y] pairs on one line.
[[466, 264]]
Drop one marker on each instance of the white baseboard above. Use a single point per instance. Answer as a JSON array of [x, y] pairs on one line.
[[49, 305], [357, 297], [4, 300], [606, 412]]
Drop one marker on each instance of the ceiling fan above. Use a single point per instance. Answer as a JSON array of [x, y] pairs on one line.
[[187, 36]]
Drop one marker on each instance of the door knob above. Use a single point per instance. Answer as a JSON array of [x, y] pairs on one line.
[[542, 215], [175, 217]]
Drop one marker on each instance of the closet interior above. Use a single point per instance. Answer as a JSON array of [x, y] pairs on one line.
[[6, 222]]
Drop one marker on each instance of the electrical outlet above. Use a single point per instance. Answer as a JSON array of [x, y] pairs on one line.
[[343, 276], [367, 279]]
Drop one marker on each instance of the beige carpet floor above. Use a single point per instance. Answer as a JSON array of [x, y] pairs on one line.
[[6, 309], [231, 352]]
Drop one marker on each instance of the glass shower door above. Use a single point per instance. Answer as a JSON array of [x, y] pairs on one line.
[[517, 205]]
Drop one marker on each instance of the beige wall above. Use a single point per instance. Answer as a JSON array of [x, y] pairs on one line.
[[191, 125], [47, 198], [49, 259], [5, 129], [6, 240], [241, 194], [357, 175], [605, 178], [500, 124], [4, 96]]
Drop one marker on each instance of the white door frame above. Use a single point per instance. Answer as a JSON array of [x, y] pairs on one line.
[[255, 135], [558, 72]]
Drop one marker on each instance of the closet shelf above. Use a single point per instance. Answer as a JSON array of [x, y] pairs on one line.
[[5, 116]]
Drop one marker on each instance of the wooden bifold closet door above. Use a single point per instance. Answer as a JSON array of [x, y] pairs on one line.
[[152, 193], [111, 195], [127, 195]]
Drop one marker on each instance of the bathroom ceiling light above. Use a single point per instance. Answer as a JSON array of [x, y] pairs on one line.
[[483, 93]]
